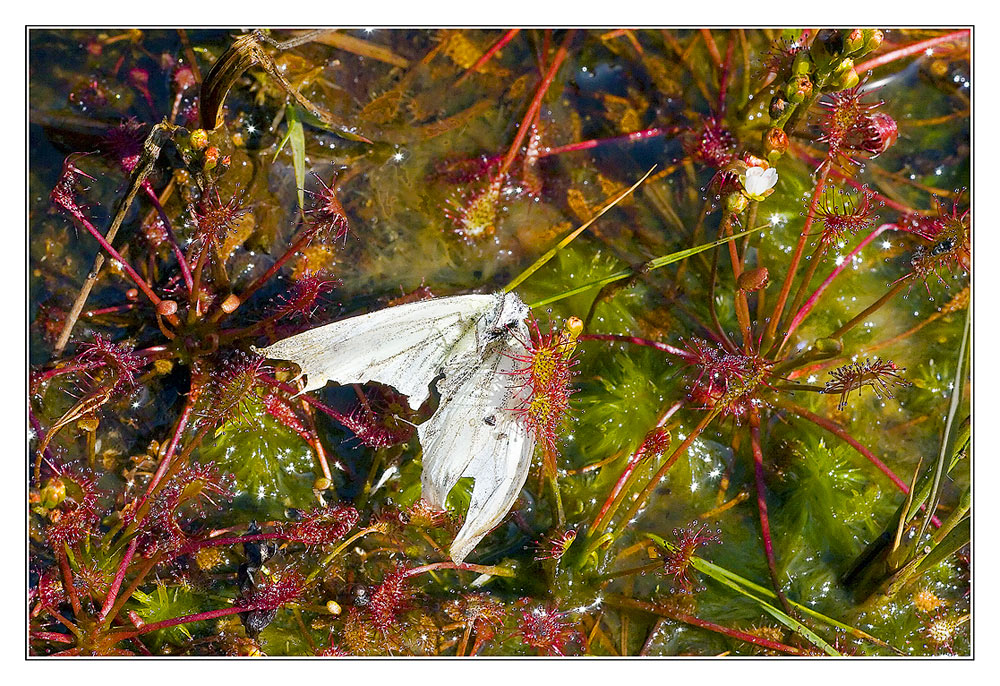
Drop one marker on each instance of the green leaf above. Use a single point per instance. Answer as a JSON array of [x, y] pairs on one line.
[[297, 137], [655, 263]]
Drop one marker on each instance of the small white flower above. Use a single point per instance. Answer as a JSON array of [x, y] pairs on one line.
[[759, 181]]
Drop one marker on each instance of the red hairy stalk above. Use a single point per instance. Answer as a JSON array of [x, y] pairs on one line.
[[647, 491], [765, 524], [786, 286], [911, 49], [182, 262], [645, 134], [655, 443], [664, 347], [843, 435], [109, 599], [536, 103], [63, 195], [486, 56], [848, 260]]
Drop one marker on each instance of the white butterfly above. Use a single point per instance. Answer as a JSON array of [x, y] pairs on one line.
[[476, 342]]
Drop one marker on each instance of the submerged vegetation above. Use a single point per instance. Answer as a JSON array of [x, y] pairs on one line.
[[748, 376]]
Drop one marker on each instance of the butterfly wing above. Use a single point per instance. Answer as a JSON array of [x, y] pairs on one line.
[[476, 433], [404, 347]]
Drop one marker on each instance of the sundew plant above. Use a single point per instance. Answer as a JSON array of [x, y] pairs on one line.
[[747, 255]]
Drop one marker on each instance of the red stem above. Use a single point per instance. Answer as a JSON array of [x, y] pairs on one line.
[[495, 48], [536, 103], [594, 142], [669, 349], [169, 455], [665, 611], [306, 236], [67, 577], [115, 255], [186, 619], [109, 600], [779, 306], [181, 260], [53, 636], [633, 462], [765, 522], [811, 302], [912, 49], [724, 78]]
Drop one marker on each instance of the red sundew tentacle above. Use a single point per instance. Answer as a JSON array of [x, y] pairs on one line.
[[811, 302], [62, 195]]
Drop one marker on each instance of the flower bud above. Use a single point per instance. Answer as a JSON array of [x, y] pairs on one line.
[[873, 39], [828, 347], [775, 142], [166, 308], [230, 304], [321, 484], [736, 203], [211, 158], [802, 63], [847, 80], [753, 279], [199, 139], [53, 493], [799, 88], [854, 41]]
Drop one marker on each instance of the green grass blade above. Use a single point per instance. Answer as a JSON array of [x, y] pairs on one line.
[[715, 572], [790, 622], [948, 440], [540, 262], [655, 263]]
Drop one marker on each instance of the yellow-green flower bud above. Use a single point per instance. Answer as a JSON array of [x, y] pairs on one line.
[[873, 39], [799, 88], [199, 139], [854, 41], [53, 493], [802, 64]]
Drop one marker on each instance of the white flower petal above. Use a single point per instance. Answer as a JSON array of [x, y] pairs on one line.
[[758, 181]]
